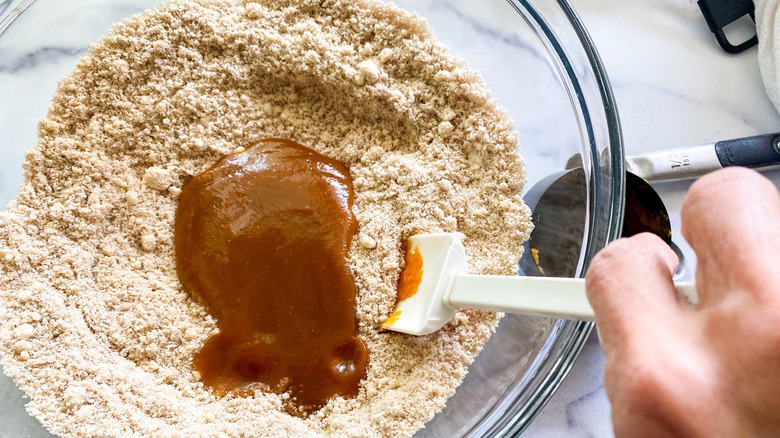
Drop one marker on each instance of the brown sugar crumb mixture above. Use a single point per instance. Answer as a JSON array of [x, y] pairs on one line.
[[95, 326], [261, 238]]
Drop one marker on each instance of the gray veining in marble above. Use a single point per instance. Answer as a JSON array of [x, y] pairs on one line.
[[673, 86]]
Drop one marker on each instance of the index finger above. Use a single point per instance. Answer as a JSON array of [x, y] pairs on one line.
[[731, 218], [629, 284]]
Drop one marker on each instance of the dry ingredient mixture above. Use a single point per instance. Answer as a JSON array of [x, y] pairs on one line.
[[95, 326]]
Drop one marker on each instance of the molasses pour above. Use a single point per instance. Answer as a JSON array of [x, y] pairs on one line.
[[262, 239]]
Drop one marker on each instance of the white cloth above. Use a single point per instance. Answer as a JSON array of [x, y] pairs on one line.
[[767, 27]]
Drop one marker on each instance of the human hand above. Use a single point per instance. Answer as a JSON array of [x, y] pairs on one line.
[[712, 371]]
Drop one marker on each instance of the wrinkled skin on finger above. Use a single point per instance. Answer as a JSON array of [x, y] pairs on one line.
[[712, 371]]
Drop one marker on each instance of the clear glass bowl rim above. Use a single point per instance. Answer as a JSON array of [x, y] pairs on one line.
[[603, 157]]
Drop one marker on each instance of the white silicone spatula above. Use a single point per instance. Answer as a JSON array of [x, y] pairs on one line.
[[446, 287]]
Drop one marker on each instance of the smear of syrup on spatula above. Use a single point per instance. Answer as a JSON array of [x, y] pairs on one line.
[[262, 239]]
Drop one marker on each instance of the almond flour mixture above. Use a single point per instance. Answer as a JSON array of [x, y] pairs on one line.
[[94, 324]]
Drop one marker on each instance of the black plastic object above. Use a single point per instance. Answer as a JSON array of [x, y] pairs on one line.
[[559, 215], [758, 151], [721, 13]]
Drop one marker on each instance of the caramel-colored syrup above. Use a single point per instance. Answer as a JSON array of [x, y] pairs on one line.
[[262, 239]]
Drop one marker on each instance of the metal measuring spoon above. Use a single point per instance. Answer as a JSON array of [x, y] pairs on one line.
[[756, 152], [560, 211]]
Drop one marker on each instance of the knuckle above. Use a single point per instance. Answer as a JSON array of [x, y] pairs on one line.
[[596, 284], [647, 240], [721, 200], [618, 264], [641, 387], [608, 261], [607, 271], [601, 270], [602, 260], [739, 175], [655, 250], [722, 183], [773, 347], [629, 252], [767, 337], [616, 251]]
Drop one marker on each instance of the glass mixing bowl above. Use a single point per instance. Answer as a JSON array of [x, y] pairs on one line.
[[540, 64]]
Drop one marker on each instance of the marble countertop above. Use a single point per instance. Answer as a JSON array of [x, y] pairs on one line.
[[673, 86]]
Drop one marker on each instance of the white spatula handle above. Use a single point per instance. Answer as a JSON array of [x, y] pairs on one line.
[[546, 296]]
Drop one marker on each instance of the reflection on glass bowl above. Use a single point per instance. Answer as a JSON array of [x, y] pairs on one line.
[[540, 64]]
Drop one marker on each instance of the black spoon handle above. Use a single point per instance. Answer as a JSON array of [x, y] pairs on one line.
[[757, 151]]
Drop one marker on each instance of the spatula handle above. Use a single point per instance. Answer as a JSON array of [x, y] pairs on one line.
[[544, 296]]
